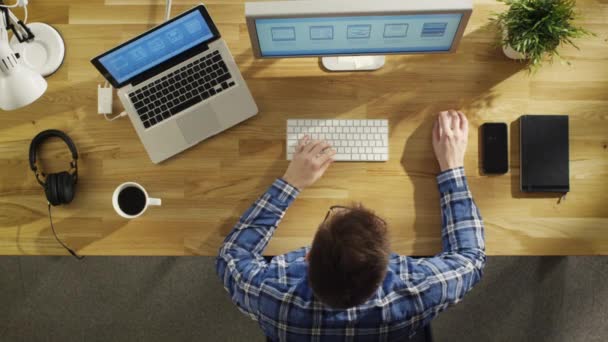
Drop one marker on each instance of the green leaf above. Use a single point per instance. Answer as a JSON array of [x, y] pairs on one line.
[[537, 28]]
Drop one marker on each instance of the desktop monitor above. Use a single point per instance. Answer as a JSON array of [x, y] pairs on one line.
[[355, 34]]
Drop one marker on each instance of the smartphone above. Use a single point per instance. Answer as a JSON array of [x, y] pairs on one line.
[[495, 151]]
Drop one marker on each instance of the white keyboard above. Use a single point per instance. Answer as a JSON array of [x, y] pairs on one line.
[[353, 140]]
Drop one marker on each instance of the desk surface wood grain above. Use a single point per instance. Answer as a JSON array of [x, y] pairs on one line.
[[206, 188]]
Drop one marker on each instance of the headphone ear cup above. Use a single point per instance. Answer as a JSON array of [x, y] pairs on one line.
[[51, 189], [67, 187]]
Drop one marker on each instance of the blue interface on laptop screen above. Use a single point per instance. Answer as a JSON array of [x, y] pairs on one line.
[[157, 47], [357, 35]]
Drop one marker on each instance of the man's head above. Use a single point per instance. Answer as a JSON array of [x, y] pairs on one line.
[[349, 257]]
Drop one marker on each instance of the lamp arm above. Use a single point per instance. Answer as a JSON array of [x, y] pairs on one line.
[[20, 30], [3, 25]]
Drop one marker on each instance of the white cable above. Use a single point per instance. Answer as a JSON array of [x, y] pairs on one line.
[[123, 114], [11, 6], [168, 10], [25, 15]]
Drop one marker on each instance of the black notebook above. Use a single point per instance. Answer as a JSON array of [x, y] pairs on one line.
[[544, 156]]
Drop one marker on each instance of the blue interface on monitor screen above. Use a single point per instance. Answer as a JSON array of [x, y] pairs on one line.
[[157, 47], [357, 35]]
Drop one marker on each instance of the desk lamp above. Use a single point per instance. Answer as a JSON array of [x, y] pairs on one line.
[[34, 51]]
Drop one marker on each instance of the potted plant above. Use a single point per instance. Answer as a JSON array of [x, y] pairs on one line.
[[533, 29]]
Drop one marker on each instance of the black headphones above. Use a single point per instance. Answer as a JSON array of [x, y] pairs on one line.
[[59, 188]]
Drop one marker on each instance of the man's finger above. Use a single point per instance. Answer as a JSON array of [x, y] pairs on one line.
[[329, 153], [326, 164], [319, 148], [444, 123], [436, 130], [302, 143], [455, 120], [311, 145], [464, 123]]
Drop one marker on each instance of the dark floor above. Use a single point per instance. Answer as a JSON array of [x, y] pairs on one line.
[[180, 299]]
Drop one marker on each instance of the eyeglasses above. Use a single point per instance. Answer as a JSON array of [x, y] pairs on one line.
[[340, 207]]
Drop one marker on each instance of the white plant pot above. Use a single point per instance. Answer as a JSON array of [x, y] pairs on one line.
[[509, 51]]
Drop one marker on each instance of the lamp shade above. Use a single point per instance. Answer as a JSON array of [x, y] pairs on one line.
[[19, 86]]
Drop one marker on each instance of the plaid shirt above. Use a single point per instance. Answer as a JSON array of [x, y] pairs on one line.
[[415, 290]]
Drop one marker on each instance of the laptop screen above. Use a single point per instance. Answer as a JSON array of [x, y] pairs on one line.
[[156, 46]]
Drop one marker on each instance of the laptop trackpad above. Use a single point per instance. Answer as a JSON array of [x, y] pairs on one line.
[[199, 125]]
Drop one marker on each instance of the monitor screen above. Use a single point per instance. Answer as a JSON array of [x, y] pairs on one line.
[[155, 47], [357, 35]]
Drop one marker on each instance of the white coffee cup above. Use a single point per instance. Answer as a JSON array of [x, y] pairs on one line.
[[148, 201]]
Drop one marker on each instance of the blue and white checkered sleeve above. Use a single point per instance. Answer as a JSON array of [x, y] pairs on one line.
[[445, 278], [240, 264]]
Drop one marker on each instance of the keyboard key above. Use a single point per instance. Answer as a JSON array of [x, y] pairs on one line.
[[224, 77], [185, 105], [380, 150], [342, 157]]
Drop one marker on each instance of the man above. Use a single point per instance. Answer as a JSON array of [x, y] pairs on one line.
[[348, 286]]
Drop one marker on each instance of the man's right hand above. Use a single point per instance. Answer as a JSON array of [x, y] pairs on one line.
[[310, 160], [450, 136]]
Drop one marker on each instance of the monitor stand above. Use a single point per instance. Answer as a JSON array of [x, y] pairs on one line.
[[353, 63]]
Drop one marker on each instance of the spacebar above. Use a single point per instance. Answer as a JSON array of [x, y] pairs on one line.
[[185, 105]]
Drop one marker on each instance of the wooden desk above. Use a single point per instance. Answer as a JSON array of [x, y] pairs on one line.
[[205, 189]]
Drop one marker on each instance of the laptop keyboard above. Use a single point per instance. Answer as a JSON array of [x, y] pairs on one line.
[[181, 89]]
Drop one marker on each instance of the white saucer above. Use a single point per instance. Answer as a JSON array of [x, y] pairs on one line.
[[45, 53]]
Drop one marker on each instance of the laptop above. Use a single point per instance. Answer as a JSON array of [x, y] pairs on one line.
[[178, 83]]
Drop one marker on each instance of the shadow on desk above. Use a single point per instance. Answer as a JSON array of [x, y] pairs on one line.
[[246, 190]]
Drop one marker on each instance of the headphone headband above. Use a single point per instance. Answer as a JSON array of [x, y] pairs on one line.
[[44, 135]]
